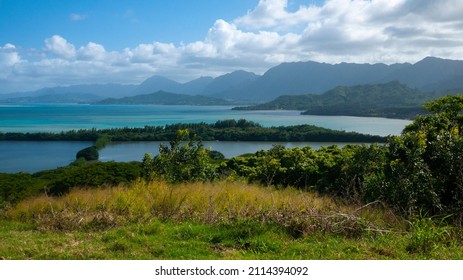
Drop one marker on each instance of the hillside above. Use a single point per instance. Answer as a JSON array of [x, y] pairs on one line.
[[166, 98], [66, 94], [239, 221], [392, 99], [289, 78], [296, 78]]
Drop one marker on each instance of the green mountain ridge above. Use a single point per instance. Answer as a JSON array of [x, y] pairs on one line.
[[392, 99], [166, 98]]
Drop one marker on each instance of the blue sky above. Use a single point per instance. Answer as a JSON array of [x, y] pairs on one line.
[[63, 42], [112, 23]]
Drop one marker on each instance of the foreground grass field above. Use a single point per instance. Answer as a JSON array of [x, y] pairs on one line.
[[223, 220]]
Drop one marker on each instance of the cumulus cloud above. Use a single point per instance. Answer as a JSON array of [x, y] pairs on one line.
[[274, 14], [149, 53], [9, 55], [60, 47], [9, 60], [92, 51], [361, 31]]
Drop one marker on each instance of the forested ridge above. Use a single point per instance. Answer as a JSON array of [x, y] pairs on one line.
[[225, 130], [391, 100], [167, 98]]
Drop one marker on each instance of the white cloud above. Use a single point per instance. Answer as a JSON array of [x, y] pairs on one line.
[[274, 14], [60, 47], [9, 55], [359, 31], [9, 60], [151, 53], [92, 51]]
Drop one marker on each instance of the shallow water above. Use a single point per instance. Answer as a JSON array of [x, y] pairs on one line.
[[61, 117], [34, 156]]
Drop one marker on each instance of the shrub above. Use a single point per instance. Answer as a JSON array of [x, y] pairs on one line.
[[181, 162], [93, 175], [425, 164], [89, 154]]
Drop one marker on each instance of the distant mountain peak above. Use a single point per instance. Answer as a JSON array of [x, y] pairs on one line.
[[288, 78]]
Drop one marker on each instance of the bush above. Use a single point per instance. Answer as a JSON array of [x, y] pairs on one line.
[[89, 154], [92, 175], [424, 168], [181, 162]]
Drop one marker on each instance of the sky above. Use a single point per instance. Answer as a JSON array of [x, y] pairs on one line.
[[64, 42]]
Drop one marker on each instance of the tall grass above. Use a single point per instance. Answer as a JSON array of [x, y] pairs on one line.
[[300, 213]]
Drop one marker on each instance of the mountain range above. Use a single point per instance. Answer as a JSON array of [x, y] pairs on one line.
[[296, 78], [166, 98], [392, 100]]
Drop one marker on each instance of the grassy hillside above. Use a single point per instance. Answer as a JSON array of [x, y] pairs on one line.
[[224, 220]]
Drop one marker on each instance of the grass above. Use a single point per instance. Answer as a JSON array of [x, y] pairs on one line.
[[224, 220]]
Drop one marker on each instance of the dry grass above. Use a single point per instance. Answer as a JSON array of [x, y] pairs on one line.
[[300, 213]]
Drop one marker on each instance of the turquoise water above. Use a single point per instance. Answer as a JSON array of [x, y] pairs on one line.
[[34, 156], [61, 117]]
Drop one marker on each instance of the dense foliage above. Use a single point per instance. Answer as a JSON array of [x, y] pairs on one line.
[[181, 162], [167, 98], [425, 163], [91, 175], [15, 187], [225, 130], [89, 154], [392, 100], [418, 171], [331, 170]]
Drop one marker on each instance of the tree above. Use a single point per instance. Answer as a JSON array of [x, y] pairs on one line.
[[425, 169], [89, 154], [182, 161]]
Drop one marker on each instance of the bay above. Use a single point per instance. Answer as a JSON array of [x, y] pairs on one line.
[[35, 156], [135, 151], [64, 117]]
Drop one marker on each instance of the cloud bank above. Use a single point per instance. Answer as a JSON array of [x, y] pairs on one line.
[[385, 31]]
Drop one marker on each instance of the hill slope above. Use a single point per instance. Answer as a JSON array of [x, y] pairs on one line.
[[166, 98], [392, 99], [296, 78]]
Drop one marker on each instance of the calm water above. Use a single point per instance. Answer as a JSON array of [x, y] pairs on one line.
[[35, 156], [17, 156], [59, 117], [134, 151]]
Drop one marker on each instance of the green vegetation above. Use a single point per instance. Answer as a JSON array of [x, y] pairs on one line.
[[16, 187], [91, 153], [224, 220], [400, 200], [420, 170], [391, 100], [88, 154], [225, 130], [167, 98], [181, 162]]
